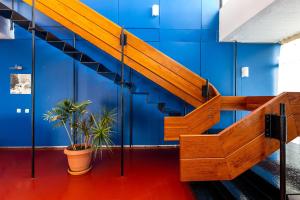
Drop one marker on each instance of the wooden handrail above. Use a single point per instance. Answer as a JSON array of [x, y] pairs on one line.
[[243, 102], [208, 114], [239, 147], [196, 122]]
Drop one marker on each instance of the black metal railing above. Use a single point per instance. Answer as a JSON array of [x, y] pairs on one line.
[[276, 128]]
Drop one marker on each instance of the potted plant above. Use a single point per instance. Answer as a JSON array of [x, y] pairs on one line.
[[87, 132]]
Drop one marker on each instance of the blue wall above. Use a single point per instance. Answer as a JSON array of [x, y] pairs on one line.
[[185, 30]]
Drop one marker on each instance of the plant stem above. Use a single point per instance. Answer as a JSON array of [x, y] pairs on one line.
[[72, 144]]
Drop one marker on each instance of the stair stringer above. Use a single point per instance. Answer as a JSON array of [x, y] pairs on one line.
[[237, 148]]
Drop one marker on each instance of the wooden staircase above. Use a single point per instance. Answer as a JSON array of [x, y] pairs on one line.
[[139, 55], [202, 157]]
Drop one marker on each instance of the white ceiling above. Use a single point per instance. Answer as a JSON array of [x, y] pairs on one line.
[[270, 22]]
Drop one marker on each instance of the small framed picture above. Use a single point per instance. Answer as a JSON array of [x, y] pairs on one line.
[[20, 84]]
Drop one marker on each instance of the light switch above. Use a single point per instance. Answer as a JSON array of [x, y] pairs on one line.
[[27, 110], [19, 110]]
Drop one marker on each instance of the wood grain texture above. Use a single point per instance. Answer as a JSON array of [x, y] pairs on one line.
[[257, 150], [192, 169], [297, 122], [196, 122], [201, 147], [241, 145], [243, 103]]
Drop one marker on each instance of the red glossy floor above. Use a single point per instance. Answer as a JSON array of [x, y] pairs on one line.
[[149, 174]]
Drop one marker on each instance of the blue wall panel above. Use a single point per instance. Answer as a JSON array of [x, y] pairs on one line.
[[148, 123], [183, 52], [147, 35], [53, 84], [101, 91], [187, 31], [109, 9], [182, 35], [262, 61], [217, 65], [180, 14], [210, 14], [15, 128]]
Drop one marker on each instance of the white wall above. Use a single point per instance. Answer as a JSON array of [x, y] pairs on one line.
[[237, 12], [289, 67]]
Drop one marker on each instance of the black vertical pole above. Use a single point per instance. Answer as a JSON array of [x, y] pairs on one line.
[[33, 92], [11, 22], [207, 94], [123, 43], [75, 88], [131, 113], [235, 55], [207, 90], [283, 140]]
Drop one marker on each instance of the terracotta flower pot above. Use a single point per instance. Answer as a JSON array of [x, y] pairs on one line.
[[79, 161]]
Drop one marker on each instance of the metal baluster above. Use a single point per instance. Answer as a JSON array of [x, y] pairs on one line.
[[33, 92], [123, 43], [283, 140]]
